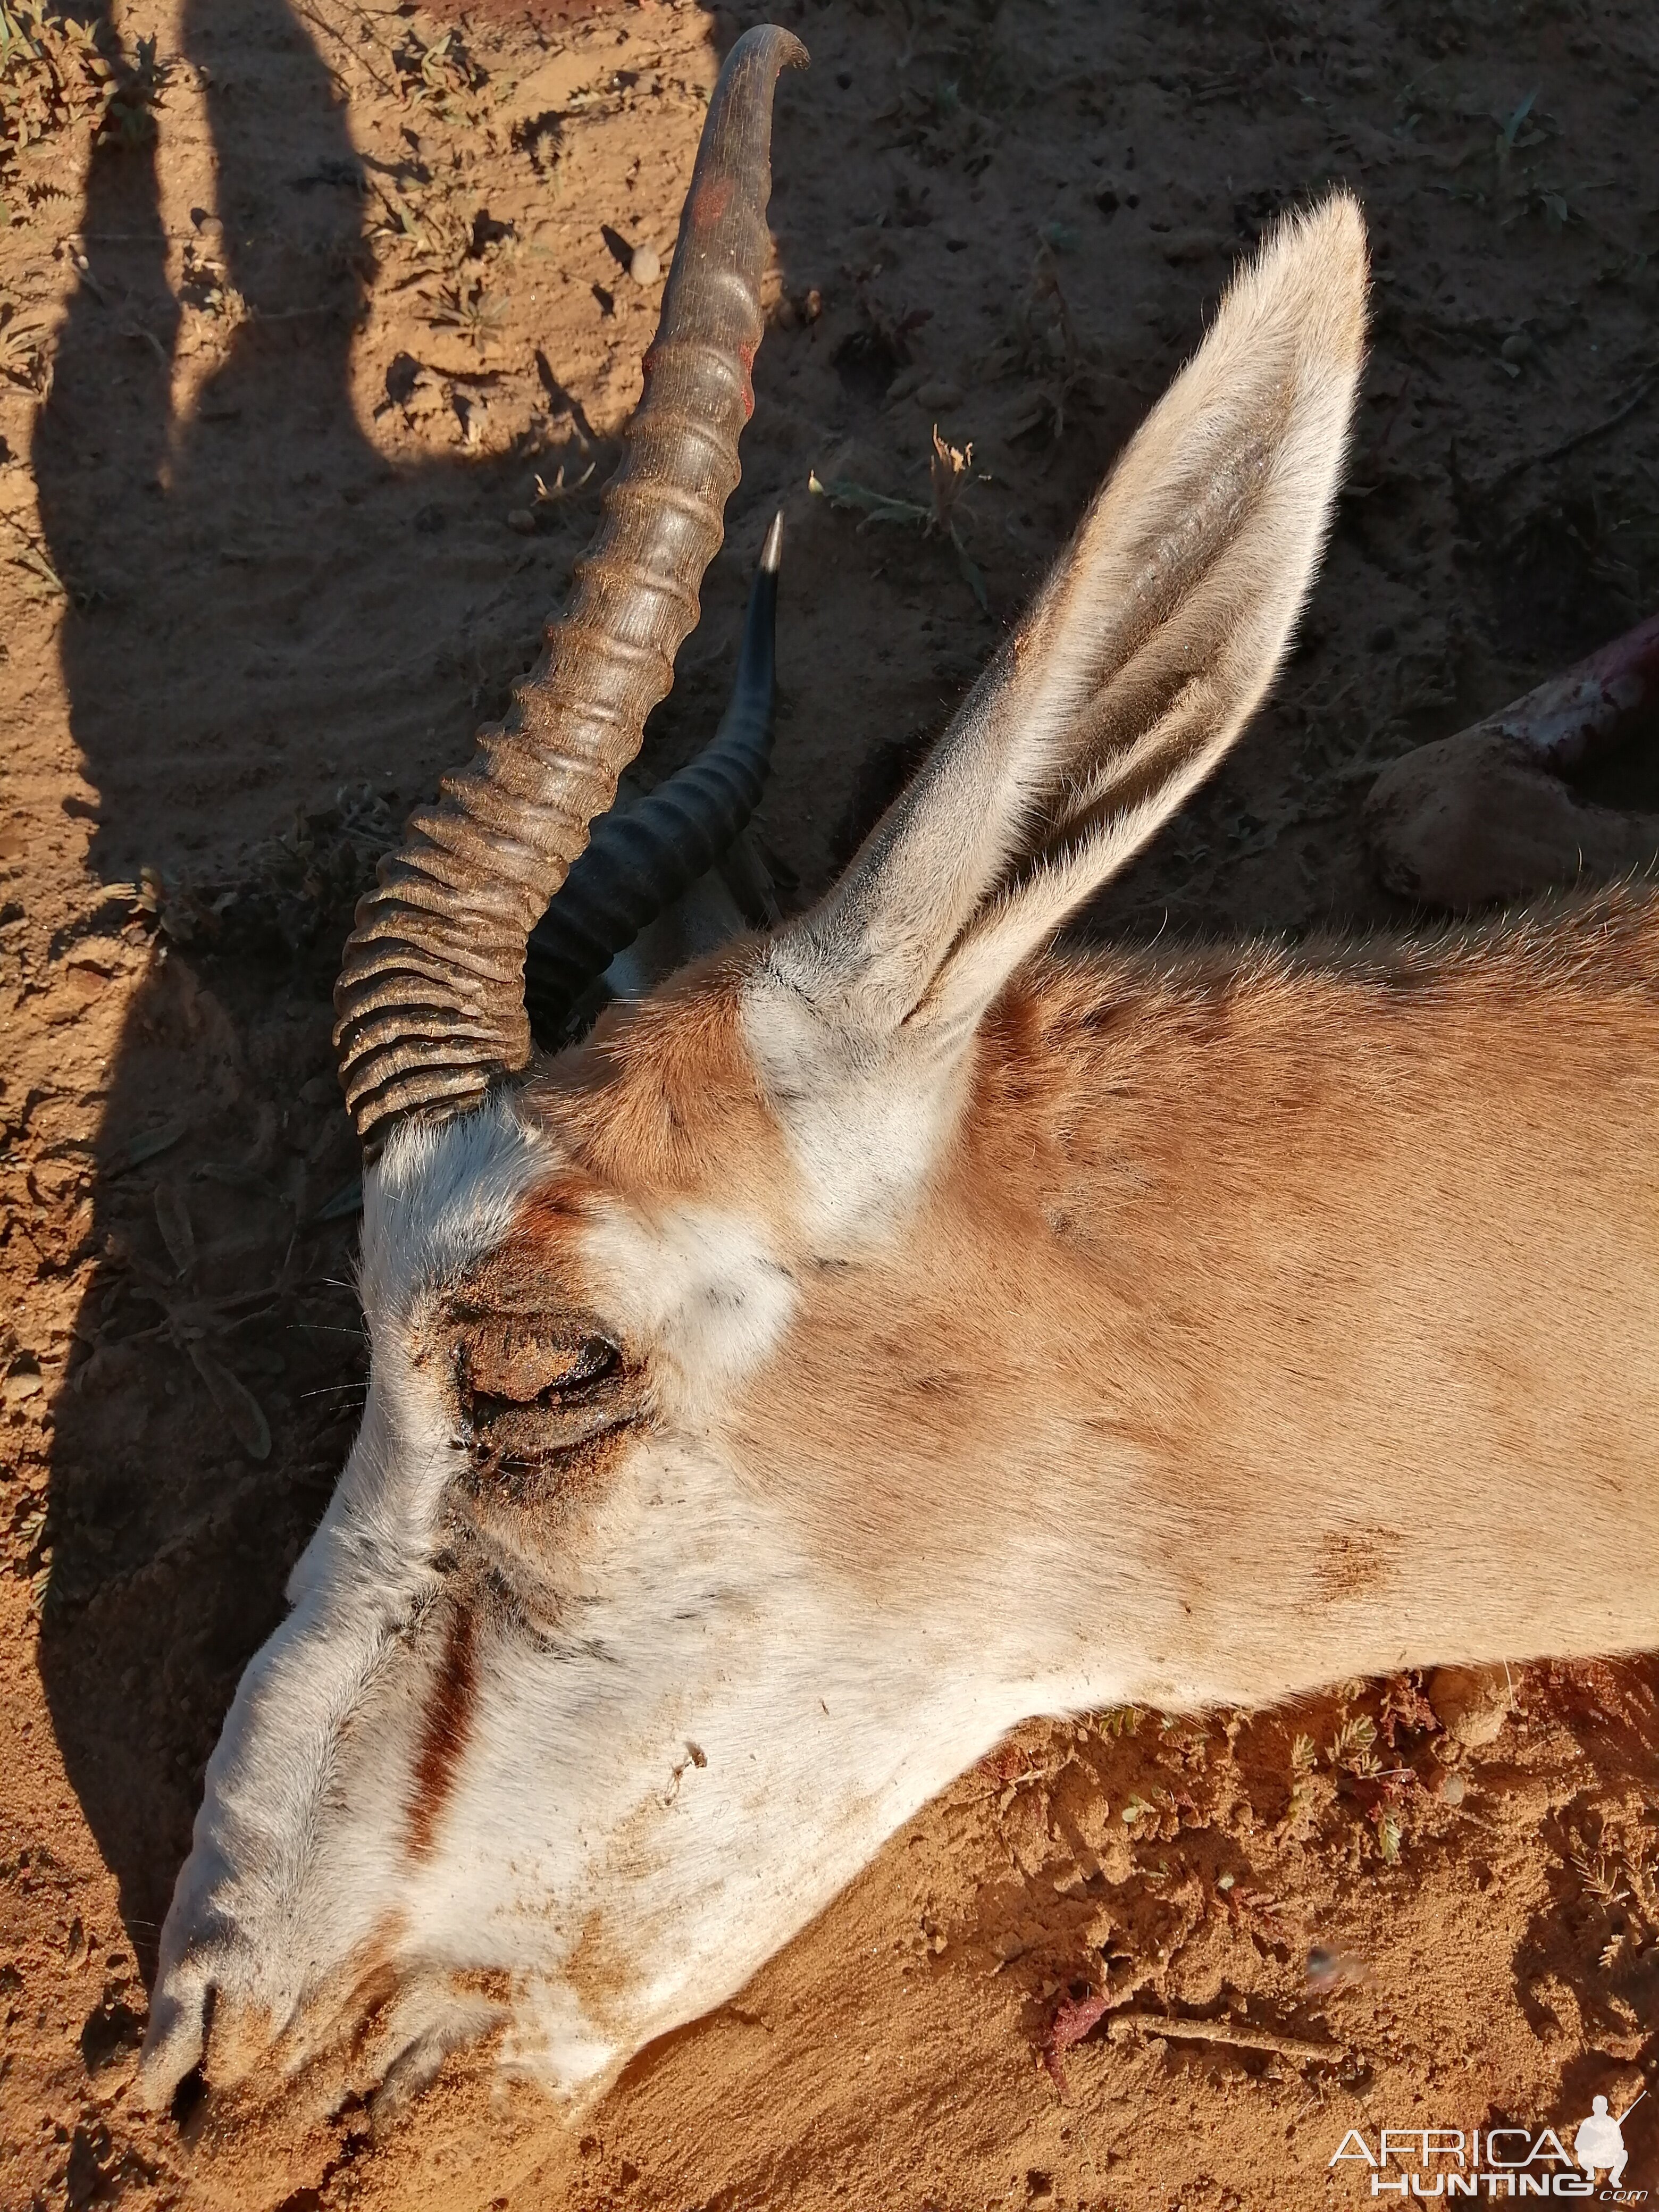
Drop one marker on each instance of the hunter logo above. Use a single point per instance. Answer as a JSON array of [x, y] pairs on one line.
[[1498, 2162]]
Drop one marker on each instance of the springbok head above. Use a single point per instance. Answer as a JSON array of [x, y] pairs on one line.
[[669, 1572]]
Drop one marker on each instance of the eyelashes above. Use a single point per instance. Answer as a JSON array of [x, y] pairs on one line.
[[596, 1358]]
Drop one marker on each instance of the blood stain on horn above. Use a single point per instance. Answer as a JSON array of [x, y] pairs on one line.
[[709, 202], [444, 1729]]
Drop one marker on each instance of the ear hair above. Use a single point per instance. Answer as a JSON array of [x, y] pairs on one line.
[[1144, 655]]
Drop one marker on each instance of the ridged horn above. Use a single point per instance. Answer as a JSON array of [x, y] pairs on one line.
[[430, 999], [638, 863]]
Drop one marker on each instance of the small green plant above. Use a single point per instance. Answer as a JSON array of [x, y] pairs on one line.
[[949, 470], [22, 350], [435, 229], [1353, 1747], [53, 76], [129, 114], [465, 306], [437, 73], [1510, 134], [25, 552], [1601, 1875]]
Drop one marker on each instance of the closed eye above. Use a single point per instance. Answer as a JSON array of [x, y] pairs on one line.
[[529, 1396], [518, 1362]]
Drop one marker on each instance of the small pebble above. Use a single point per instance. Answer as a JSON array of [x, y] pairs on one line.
[[645, 266], [521, 520], [1471, 1703], [1453, 1789]]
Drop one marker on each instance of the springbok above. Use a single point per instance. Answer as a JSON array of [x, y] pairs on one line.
[[892, 1328]]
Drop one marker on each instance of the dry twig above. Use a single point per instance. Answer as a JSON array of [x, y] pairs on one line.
[[1298, 2047]]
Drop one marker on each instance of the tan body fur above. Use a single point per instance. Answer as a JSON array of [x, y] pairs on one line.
[[1312, 1305], [1305, 1299]]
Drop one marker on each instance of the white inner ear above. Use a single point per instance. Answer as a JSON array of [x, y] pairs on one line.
[[1140, 661]]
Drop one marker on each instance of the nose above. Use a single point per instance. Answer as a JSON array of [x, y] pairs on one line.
[[180, 2014], [231, 2005], [208, 2011], [206, 2007], [250, 2139]]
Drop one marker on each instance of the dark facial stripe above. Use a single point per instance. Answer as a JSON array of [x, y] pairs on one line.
[[444, 1729]]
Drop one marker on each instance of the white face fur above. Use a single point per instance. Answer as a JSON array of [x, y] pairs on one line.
[[565, 1761]]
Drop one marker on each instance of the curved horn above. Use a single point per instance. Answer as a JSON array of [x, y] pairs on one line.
[[430, 999], [638, 863]]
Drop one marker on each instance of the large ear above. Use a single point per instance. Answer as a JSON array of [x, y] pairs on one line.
[[1141, 659]]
